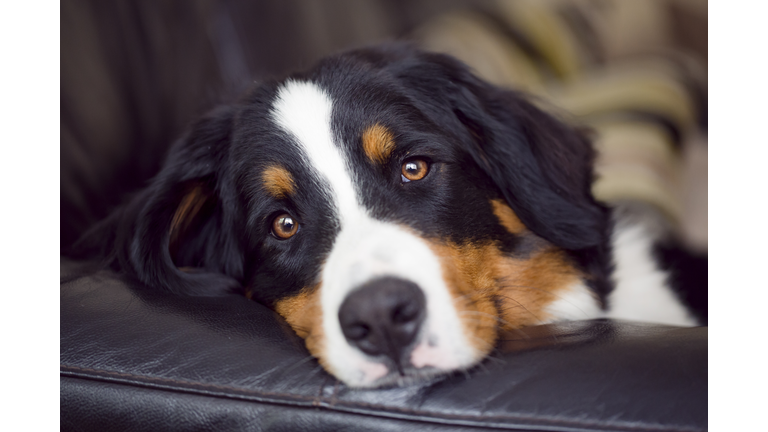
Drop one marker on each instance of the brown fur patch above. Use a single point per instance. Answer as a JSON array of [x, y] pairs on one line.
[[378, 143], [305, 316], [507, 217], [278, 182], [527, 287], [189, 207], [493, 292]]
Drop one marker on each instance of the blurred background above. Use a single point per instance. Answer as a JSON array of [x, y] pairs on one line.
[[134, 74]]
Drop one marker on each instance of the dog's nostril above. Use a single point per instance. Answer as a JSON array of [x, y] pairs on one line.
[[383, 316], [405, 313], [357, 332]]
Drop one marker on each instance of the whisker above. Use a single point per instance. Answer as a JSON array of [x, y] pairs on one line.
[[298, 363], [474, 321], [521, 332], [485, 314], [484, 342], [466, 374], [297, 329], [482, 367], [477, 293], [316, 369], [495, 359], [548, 292], [541, 321]]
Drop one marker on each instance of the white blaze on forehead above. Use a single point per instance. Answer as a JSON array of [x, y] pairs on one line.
[[304, 110], [365, 248]]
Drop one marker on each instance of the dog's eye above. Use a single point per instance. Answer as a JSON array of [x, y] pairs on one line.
[[284, 226], [414, 169]]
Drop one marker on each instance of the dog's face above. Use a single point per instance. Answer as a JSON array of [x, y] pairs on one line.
[[394, 209]]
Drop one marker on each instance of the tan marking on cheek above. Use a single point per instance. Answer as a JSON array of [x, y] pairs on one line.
[[278, 182], [470, 279], [507, 217], [528, 286], [492, 292], [304, 314], [378, 143]]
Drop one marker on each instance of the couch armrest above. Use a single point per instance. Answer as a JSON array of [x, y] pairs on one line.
[[135, 359]]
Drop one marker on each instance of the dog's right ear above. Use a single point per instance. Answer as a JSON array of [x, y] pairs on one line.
[[178, 233]]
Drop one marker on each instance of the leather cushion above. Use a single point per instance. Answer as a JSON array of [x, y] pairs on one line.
[[137, 359]]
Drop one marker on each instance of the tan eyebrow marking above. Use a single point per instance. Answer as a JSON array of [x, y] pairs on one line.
[[277, 181], [507, 217], [378, 143]]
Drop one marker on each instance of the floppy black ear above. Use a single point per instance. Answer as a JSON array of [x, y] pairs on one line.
[[542, 166], [178, 233]]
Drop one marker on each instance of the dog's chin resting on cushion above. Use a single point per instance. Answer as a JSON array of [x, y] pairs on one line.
[[397, 211]]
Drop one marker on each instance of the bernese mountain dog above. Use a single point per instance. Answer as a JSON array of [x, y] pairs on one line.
[[397, 211]]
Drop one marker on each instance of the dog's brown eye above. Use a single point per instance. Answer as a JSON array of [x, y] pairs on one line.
[[284, 226], [414, 169]]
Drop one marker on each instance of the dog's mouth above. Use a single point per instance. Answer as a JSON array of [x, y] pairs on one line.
[[406, 376], [420, 361], [423, 362]]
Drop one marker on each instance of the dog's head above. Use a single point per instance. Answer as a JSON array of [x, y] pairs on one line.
[[396, 210]]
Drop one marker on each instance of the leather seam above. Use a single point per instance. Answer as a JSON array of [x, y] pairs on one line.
[[538, 420], [144, 379], [334, 404]]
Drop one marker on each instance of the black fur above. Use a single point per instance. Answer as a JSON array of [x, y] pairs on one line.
[[688, 274]]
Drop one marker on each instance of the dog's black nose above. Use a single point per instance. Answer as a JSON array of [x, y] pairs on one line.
[[383, 316]]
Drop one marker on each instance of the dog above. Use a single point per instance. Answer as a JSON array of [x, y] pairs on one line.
[[398, 212]]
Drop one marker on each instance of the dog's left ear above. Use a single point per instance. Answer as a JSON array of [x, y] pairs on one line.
[[543, 167], [178, 233], [182, 236]]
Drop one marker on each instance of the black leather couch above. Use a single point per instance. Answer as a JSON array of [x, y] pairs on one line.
[[134, 359]]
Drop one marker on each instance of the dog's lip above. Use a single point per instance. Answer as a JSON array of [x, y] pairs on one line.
[[408, 373], [426, 354]]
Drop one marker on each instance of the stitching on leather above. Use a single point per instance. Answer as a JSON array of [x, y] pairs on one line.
[[318, 401], [333, 404], [334, 399], [144, 379]]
